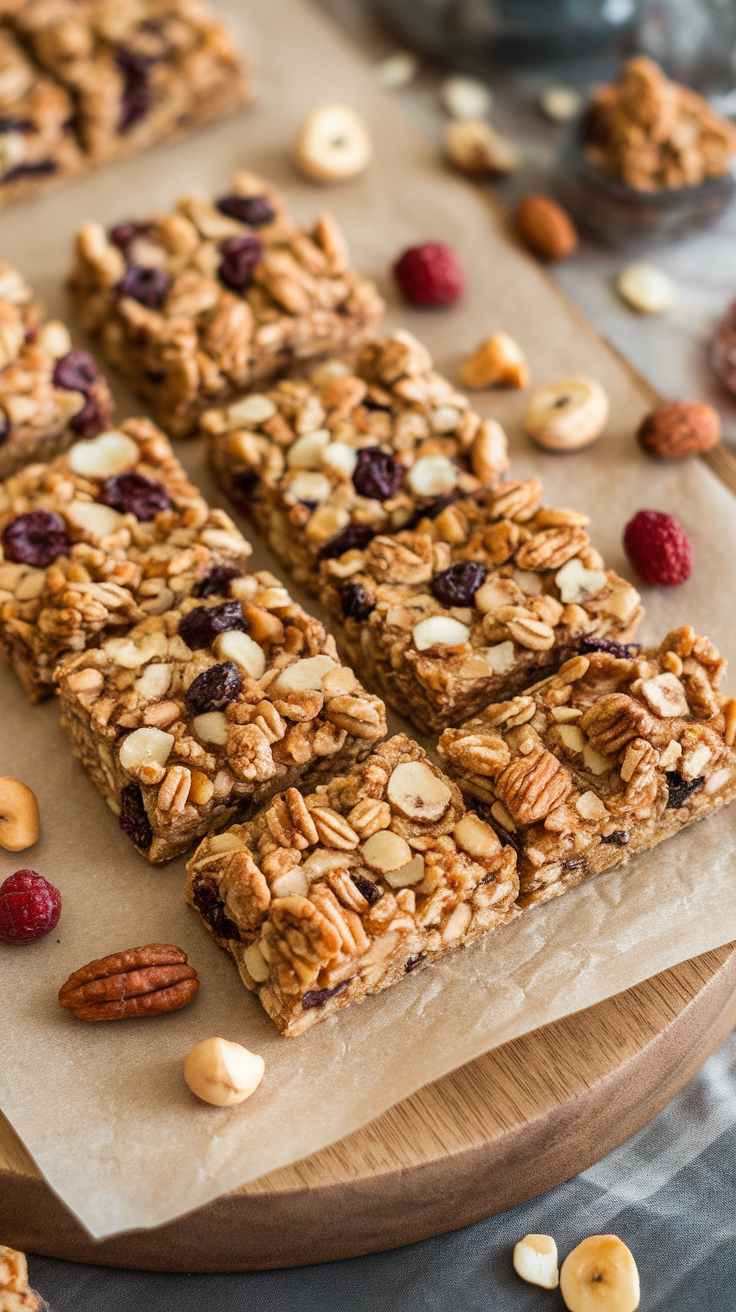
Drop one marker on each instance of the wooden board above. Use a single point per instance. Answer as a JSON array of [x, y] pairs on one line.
[[488, 1136]]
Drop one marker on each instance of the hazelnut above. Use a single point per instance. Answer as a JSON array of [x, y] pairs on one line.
[[546, 228], [680, 428], [223, 1073]]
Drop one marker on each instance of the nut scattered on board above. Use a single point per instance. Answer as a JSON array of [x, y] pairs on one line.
[[535, 1260], [29, 907], [496, 362], [560, 104], [546, 228], [396, 70], [646, 288], [332, 144], [600, 1275], [679, 428], [16, 1294], [567, 415], [139, 982], [223, 1073], [466, 97], [19, 820], [475, 148]]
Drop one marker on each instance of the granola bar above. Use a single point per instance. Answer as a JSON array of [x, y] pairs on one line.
[[138, 71], [50, 394], [38, 147], [106, 534], [324, 465], [195, 305], [610, 756], [201, 713], [473, 605], [326, 897]]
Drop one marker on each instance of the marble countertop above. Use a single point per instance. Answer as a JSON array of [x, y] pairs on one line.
[[670, 350]]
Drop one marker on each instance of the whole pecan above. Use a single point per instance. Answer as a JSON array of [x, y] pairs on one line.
[[140, 982]]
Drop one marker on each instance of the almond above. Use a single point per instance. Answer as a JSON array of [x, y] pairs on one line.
[[680, 428], [546, 228]]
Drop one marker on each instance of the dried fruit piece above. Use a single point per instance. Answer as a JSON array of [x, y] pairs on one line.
[[240, 255], [496, 362], [535, 1260], [646, 288], [143, 981], [357, 604], [19, 821], [680, 790], [600, 1275], [546, 228], [417, 792], [216, 582], [223, 1073], [377, 474], [29, 907], [466, 97], [659, 548], [354, 537], [430, 275], [133, 819], [201, 626], [75, 371], [134, 494], [214, 688], [35, 538], [253, 210], [680, 428], [332, 144], [147, 285], [475, 148], [567, 415], [458, 585]]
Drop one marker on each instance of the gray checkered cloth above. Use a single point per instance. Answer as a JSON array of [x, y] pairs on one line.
[[670, 1193]]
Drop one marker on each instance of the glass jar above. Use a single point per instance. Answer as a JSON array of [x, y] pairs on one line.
[[516, 31], [624, 217]]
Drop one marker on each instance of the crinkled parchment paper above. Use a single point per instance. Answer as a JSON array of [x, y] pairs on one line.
[[104, 1109]]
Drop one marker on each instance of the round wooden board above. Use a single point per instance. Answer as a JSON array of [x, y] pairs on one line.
[[500, 1130]]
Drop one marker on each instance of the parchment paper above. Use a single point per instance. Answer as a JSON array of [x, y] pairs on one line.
[[104, 1110]]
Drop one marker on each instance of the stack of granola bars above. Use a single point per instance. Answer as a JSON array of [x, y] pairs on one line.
[[206, 705]]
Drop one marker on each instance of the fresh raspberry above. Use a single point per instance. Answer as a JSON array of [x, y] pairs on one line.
[[659, 548], [430, 275], [29, 907]]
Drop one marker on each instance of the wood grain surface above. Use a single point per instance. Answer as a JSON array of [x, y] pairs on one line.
[[502, 1129]]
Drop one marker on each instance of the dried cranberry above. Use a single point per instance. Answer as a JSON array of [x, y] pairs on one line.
[[35, 538], [431, 509], [679, 789], [124, 234], [216, 582], [240, 256], [411, 963], [370, 891], [318, 997], [136, 97], [212, 909], [357, 604], [133, 817], [214, 688], [377, 474], [4, 427], [618, 649], [619, 838], [12, 123], [133, 494], [458, 585], [29, 907], [147, 286], [253, 210], [90, 419], [242, 487], [76, 371], [43, 169], [354, 537], [201, 626]]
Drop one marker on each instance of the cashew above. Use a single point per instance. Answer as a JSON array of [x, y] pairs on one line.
[[19, 822]]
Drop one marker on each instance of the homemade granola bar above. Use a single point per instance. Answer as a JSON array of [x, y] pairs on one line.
[[138, 71], [610, 756], [37, 143], [324, 465], [473, 605], [199, 714], [50, 394], [326, 897], [195, 305], [107, 533]]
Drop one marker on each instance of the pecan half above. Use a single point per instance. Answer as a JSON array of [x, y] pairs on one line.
[[140, 982]]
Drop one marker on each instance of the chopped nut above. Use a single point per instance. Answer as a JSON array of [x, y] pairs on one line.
[[496, 361], [223, 1073], [386, 851], [417, 792], [535, 1260]]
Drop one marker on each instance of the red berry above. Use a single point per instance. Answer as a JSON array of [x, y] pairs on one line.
[[29, 907], [430, 275], [659, 548]]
